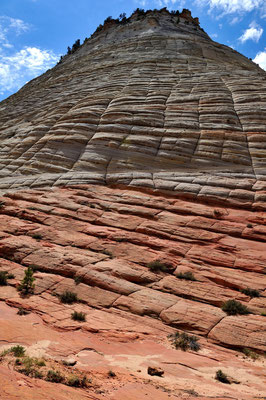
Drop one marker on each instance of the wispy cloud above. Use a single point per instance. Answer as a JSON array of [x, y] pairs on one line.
[[261, 59], [18, 66], [254, 33], [233, 6], [161, 3], [9, 25], [24, 65]]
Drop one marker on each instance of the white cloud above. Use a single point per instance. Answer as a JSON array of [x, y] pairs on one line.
[[11, 26], [254, 33], [235, 20], [161, 3], [233, 6], [19, 66], [24, 65], [214, 35], [261, 59]]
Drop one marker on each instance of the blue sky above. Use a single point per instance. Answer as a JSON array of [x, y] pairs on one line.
[[34, 33]]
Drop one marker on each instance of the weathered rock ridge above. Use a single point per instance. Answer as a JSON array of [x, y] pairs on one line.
[[152, 103], [147, 144], [98, 242]]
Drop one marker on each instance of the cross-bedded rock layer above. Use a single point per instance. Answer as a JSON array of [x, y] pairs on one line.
[[151, 103], [104, 239], [154, 103]]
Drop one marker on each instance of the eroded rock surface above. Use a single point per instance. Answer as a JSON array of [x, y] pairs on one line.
[[154, 103], [98, 242], [136, 162]]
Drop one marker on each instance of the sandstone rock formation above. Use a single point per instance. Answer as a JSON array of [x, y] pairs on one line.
[[98, 242], [156, 92], [132, 175]]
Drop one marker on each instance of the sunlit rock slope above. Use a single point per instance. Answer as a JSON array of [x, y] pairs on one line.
[[133, 175], [153, 102]]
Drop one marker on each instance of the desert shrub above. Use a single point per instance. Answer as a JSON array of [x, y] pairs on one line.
[[36, 374], [234, 307], [4, 353], [263, 314], [22, 311], [40, 363], [221, 376], [77, 280], [75, 381], [37, 236], [29, 368], [2, 203], [78, 316], [3, 278], [68, 297], [54, 376], [18, 351], [34, 267], [26, 286], [251, 354], [184, 341], [251, 292], [249, 226], [111, 373], [186, 275], [156, 266]]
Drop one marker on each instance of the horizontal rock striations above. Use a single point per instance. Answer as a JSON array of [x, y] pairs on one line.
[[101, 244], [153, 102], [133, 177]]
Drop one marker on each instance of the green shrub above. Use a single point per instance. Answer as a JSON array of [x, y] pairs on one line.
[[37, 236], [68, 297], [251, 292], [3, 278], [75, 381], [26, 286], [184, 341], [37, 374], [186, 275], [18, 351], [40, 363], [78, 280], [78, 316], [156, 266], [233, 307], [2, 203], [251, 354], [111, 373], [221, 376], [54, 376], [29, 367]]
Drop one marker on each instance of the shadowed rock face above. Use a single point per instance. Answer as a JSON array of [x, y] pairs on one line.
[[154, 102]]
